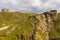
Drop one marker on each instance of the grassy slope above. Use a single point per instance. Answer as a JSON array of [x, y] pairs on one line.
[[56, 34], [13, 19], [57, 26]]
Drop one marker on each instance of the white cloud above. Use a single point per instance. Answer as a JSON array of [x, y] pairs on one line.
[[58, 9], [14, 2], [28, 5], [36, 3], [48, 5]]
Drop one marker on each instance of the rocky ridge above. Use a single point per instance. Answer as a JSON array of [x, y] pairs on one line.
[[45, 25]]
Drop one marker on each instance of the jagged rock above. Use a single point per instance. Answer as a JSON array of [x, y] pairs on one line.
[[39, 31], [45, 25]]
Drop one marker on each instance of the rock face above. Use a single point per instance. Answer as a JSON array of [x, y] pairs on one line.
[[43, 25]]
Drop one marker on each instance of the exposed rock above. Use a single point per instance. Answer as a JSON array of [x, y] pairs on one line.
[[3, 28], [10, 30], [5, 10], [45, 25]]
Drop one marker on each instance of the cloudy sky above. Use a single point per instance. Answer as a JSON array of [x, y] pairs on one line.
[[30, 5]]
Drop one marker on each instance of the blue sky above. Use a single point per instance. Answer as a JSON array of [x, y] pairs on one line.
[[30, 5]]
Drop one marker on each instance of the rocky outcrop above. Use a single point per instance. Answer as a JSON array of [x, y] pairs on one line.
[[43, 25]]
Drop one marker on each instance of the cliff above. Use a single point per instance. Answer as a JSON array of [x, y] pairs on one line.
[[23, 26]]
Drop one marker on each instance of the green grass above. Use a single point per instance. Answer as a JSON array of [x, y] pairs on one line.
[[13, 19], [56, 34]]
